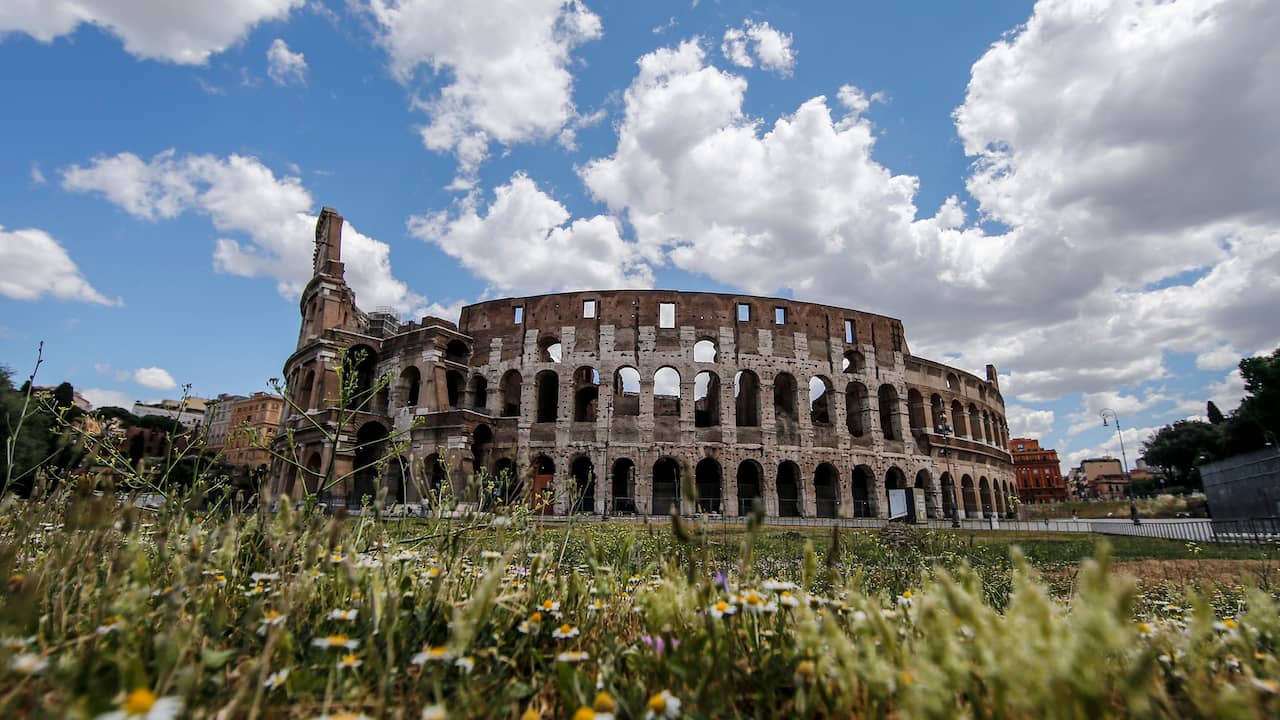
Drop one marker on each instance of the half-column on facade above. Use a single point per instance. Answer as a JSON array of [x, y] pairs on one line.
[[606, 402]]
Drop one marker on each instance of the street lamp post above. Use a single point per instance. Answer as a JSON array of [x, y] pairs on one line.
[[1106, 413], [944, 429]]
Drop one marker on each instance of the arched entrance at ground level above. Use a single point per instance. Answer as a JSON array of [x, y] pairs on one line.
[[312, 479], [542, 495], [666, 486], [826, 490], [583, 489], [370, 441], [506, 481], [788, 489], [398, 476], [623, 485], [706, 477], [948, 496], [984, 493], [863, 481], [750, 477], [970, 496], [925, 482], [436, 476], [481, 446], [895, 479]]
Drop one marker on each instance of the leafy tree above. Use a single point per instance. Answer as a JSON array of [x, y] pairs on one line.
[[110, 412], [160, 422], [1261, 404], [1215, 415], [25, 442], [1179, 447]]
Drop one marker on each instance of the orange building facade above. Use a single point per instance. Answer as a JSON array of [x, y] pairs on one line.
[[1038, 471], [253, 424]]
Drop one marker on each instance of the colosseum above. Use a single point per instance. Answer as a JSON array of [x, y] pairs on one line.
[[610, 402]]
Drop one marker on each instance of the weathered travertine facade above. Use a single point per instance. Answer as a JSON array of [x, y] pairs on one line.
[[605, 400]]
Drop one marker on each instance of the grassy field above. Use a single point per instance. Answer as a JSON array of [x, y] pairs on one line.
[[114, 612], [1163, 506]]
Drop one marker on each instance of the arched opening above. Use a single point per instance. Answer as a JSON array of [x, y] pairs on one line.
[[481, 447], [953, 383], [510, 387], [706, 399], [666, 486], [304, 397], [746, 396], [547, 388], [626, 392], [820, 400], [706, 477], [436, 475], [369, 453], [984, 494], [584, 485], [454, 383], [479, 392], [853, 362], [970, 496], [457, 351], [397, 480], [411, 385], [856, 408], [784, 409], [550, 349], [975, 423], [313, 479], [704, 351], [788, 489], [506, 481], [666, 392], [624, 485], [750, 478], [360, 368], [948, 496], [937, 411], [958, 420], [894, 479], [863, 481], [586, 392], [826, 490], [915, 409], [889, 421], [986, 429], [542, 496], [924, 481]]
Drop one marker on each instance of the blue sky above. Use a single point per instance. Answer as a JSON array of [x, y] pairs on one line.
[[1083, 193]]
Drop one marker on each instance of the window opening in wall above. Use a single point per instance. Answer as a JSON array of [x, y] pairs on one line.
[[519, 320], [704, 351], [744, 312], [848, 332], [746, 394], [897, 339], [819, 401], [706, 399], [588, 309], [626, 392], [666, 392], [779, 316], [551, 349], [666, 315]]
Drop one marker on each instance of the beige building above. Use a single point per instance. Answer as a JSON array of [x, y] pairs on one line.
[[217, 421], [252, 425], [1105, 478]]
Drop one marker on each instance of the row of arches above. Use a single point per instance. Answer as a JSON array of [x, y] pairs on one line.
[[705, 351]]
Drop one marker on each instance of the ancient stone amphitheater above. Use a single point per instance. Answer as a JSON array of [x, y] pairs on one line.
[[609, 402]]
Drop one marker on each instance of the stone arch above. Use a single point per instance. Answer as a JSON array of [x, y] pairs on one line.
[[586, 394], [788, 488], [547, 390], [746, 395], [785, 420], [305, 395], [705, 351], [457, 351], [706, 399], [948, 495], [454, 385], [853, 362], [890, 423], [820, 391], [511, 388], [894, 479], [924, 481], [975, 423], [984, 494], [666, 392], [313, 480], [915, 410], [970, 496], [987, 429], [623, 485], [371, 441], [937, 411], [481, 447], [856, 408], [750, 485], [542, 493], [549, 349], [958, 424], [506, 481], [411, 385], [864, 481], [361, 363], [626, 392], [826, 490], [953, 383], [582, 489], [708, 479], [397, 479], [479, 392], [666, 486]]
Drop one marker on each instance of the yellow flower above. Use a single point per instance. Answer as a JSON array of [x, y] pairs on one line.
[[349, 661], [663, 705], [722, 608], [1230, 623], [1145, 629], [584, 713], [604, 703], [142, 703], [335, 641], [905, 678], [564, 632], [530, 714]]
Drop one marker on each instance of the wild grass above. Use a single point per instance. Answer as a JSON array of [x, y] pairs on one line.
[[179, 612]]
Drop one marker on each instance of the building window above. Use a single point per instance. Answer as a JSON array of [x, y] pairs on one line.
[[588, 309], [779, 316], [744, 312], [666, 315], [519, 314], [848, 332]]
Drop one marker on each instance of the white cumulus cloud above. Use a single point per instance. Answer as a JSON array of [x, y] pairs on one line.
[[284, 66], [156, 378], [180, 32], [1028, 422], [103, 397], [267, 222], [36, 265], [504, 67], [754, 41]]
